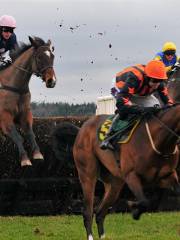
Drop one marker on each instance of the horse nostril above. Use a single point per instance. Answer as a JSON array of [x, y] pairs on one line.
[[50, 83]]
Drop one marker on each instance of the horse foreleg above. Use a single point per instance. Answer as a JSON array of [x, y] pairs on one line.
[[134, 183], [112, 190], [170, 181], [17, 139]]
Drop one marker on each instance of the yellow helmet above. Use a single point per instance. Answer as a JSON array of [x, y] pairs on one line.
[[169, 46]]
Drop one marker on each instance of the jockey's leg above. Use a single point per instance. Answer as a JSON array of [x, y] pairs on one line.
[[17, 139], [106, 144], [134, 183]]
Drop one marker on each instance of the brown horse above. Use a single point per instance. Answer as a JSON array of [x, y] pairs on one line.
[[149, 158], [174, 84], [36, 58]]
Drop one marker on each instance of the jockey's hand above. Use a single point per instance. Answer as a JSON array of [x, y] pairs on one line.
[[8, 60], [175, 67], [114, 91]]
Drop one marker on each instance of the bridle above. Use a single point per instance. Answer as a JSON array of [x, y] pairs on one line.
[[38, 73]]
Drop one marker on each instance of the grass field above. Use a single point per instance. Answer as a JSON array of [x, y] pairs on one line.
[[156, 226]]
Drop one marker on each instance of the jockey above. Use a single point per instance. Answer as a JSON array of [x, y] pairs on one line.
[[7, 38], [168, 56], [135, 85]]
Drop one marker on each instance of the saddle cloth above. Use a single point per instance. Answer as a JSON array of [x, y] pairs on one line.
[[123, 129]]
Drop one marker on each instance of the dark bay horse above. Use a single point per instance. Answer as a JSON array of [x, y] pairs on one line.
[[36, 58], [174, 84], [149, 158]]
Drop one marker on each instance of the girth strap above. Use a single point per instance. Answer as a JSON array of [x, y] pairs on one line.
[[13, 89]]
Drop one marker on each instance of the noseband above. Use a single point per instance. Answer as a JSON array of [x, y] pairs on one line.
[[37, 73]]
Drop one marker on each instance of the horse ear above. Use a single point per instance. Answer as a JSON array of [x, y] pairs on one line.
[[49, 42], [33, 42]]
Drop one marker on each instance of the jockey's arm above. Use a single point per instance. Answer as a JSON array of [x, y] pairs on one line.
[[114, 89], [178, 59], [168, 68], [126, 92], [163, 93], [171, 69], [158, 58]]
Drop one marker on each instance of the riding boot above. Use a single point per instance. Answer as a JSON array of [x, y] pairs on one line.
[[106, 143]]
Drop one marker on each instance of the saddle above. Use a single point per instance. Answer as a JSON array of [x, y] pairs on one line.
[[122, 129]]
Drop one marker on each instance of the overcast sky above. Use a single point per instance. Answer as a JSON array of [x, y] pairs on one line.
[[82, 33]]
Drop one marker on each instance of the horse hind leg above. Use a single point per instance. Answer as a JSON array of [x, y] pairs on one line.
[[17, 139], [26, 124], [112, 190], [88, 187], [36, 154], [86, 164]]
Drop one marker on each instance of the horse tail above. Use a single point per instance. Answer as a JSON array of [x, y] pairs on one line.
[[63, 138]]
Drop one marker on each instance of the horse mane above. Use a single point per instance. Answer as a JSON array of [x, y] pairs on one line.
[[22, 47], [15, 53]]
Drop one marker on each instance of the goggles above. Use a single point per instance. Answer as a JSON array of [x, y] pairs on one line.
[[153, 80], [7, 29], [169, 52]]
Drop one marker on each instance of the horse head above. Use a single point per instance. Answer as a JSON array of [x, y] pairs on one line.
[[174, 83], [43, 60]]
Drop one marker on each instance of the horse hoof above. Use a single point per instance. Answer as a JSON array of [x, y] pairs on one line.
[[102, 236], [90, 237], [136, 214], [38, 156], [25, 163], [131, 204]]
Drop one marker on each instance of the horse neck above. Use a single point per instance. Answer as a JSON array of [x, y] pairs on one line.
[[163, 138], [20, 72]]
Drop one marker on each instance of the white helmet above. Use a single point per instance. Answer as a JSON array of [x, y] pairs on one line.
[[7, 21]]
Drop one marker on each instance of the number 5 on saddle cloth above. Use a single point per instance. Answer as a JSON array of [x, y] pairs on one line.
[[122, 130]]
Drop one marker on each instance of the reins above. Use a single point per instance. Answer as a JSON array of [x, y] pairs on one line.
[[169, 130], [153, 145]]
